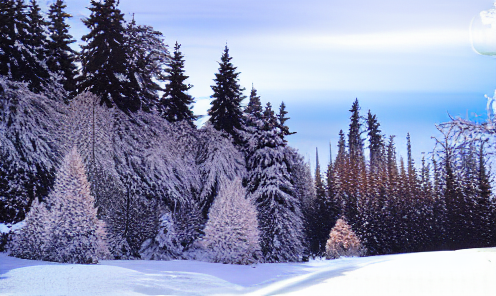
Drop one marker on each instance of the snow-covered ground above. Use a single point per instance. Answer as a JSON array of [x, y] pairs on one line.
[[465, 272]]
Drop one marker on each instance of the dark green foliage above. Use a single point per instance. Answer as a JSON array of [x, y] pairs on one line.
[[61, 57], [176, 104], [22, 44], [281, 120], [104, 59], [226, 114]]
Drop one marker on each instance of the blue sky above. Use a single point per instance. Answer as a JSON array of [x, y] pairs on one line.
[[410, 62]]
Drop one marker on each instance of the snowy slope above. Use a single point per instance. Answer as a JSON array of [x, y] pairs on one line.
[[464, 272]]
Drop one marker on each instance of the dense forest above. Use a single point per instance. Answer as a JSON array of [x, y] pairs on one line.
[[100, 158]]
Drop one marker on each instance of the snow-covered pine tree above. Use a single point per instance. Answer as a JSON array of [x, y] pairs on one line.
[[176, 233], [226, 114], [343, 242], [76, 234], [104, 58], [148, 56], [176, 104], [269, 185], [231, 233], [60, 56], [67, 230], [33, 239]]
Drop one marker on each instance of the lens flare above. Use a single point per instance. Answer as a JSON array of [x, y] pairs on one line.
[[483, 32]]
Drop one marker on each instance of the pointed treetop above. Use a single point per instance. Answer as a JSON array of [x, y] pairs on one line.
[[254, 105]]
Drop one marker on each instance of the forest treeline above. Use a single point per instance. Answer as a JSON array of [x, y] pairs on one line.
[[109, 132]]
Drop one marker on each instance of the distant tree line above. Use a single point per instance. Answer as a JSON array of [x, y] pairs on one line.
[[394, 207]]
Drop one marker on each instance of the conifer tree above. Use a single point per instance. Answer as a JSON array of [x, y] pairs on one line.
[[343, 242], [21, 44], [225, 113], [176, 103], [356, 168], [323, 216], [376, 142], [68, 230], [37, 41], [104, 58], [231, 233], [61, 57], [269, 185], [281, 120], [254, 106]]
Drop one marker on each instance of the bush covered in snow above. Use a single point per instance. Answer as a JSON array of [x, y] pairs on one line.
[[66, 228], [231, 233], [343, 242]]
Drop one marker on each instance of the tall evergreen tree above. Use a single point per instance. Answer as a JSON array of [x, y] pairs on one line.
[[37, 40], [254, 106], [269, 185], [61, 57], [68, 229], [231, 233], [376, 142], [356, 168], [176, 103], [324, 218], [281, 119], [225, 113], [104, 58], [21, 39]]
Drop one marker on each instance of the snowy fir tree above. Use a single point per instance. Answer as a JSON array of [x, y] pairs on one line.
[[68, 230], [226, 114], [231, 233], [270, 187], [343, 242], [176, 104], [33, 240]]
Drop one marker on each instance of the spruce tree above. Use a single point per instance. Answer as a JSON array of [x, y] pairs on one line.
[[68, 230], [376, 142], [104, 58], [231, 233], [226, 114], [176, 103], [281, 120], [254, 106], [355, 169], [37, 41], [269, 185], [323, 216], [61, 57], [21, 38]]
